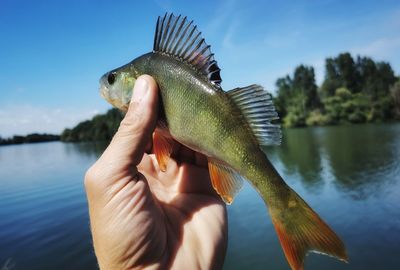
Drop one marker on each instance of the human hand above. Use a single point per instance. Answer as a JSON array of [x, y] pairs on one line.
[[142, 217]]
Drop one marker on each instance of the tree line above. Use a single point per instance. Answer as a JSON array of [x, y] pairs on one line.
[[101, 127], [30, 138], [356, 90]]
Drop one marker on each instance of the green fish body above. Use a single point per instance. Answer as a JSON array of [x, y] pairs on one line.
[[228, 127]]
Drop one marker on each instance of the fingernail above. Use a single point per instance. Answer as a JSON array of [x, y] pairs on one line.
[[140, 89]]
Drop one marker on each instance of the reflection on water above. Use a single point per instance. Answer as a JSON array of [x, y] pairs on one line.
[[359, 157], [363, 161], [89, 149], [349, 175], [300, 153]]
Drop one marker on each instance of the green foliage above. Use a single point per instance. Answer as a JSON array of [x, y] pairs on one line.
[[395, 94], [100, 128], [363, 75], [346, 107], [317, 118], [297, 96], [30, 138], [375, 78], [304, 81], [340, 72], [353, 92], [381, 109], [296, 111], [284, 95], [347, 71]]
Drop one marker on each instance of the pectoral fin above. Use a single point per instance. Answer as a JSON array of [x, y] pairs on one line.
[[226, 181], [162, 147]]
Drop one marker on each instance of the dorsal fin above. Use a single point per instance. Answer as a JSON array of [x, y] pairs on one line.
[[257, 106], [178, 37]]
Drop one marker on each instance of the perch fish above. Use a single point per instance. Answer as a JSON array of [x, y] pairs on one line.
[[229, 127]]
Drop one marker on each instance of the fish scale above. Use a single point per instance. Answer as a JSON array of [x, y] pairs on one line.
[[227, 127]]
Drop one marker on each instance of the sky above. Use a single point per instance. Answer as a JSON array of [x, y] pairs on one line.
[[52, 53]]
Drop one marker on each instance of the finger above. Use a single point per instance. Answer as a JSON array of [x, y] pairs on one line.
[[195, 179], [147, 165], [149, 147], [128, 145], [201, 160]]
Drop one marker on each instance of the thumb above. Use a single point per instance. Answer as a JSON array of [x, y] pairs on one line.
[[128, 145]]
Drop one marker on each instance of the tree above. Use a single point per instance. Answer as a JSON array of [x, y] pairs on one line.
[[101, 127], [297, 96], [340, 72], [346, 107], [30, 138], [395, 93], [304, 80], [296, 113], [348, 72], [375, 78], [284, 94], [366, 77]]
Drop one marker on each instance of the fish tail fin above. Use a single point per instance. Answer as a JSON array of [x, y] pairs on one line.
[[301, 230]]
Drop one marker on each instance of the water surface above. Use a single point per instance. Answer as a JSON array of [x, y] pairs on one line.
[[349, 175]]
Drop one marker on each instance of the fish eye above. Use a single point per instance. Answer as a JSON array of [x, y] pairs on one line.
[[111, 78]]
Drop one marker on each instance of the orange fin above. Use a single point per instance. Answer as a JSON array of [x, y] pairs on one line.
[[301, 230], [162, 147], [225, 180]]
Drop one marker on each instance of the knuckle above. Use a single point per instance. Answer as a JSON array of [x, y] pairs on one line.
[[90, 177], [132, 124]]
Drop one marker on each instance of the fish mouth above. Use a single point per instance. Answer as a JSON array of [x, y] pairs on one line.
[[103, 88], [105, 93]]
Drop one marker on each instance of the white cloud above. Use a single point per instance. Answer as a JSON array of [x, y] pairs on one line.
[[20, 90], [164, 5], [383, 48], [386, 44], [319, 68], [227, 42], [28, 119], [222, 16], [282, 41]]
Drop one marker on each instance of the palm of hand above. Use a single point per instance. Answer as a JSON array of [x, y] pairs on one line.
[[172, 219]]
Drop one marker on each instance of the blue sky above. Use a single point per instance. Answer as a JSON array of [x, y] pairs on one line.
[[52, 53]]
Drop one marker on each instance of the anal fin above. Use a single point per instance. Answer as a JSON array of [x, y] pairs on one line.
[[226, 181], [162, 147]]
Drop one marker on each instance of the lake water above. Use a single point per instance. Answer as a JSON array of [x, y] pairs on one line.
[[349, 175]]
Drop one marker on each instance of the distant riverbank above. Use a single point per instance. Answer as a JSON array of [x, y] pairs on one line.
[[354, 91], [30, 138]]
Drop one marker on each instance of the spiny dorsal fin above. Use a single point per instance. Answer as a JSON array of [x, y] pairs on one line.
[[257, 107], [226, 182], [178, 37]]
